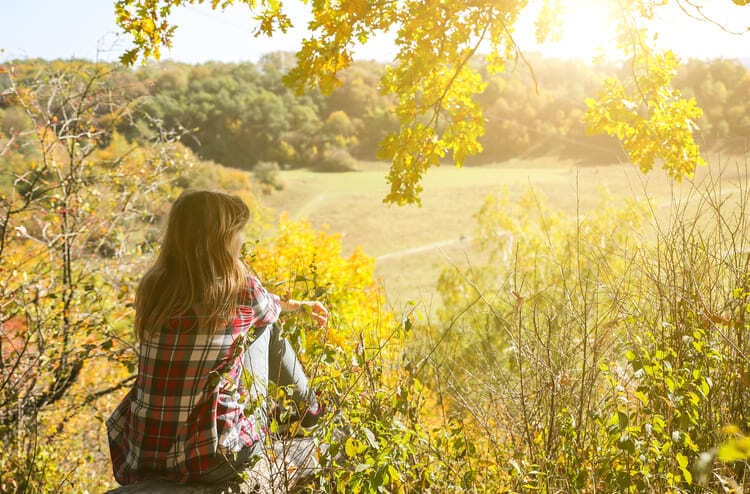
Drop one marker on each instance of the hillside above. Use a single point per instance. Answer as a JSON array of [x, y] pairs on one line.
[[411, 245]]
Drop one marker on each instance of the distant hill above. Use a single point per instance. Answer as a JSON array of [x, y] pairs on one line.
[[745, 61]]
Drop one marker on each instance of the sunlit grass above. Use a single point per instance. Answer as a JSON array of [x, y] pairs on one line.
[[351, 204]]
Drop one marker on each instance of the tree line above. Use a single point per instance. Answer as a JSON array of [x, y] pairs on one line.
[[240, 114]]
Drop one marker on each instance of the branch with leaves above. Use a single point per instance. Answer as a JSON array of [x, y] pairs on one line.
[[73, 200], [436, 87]]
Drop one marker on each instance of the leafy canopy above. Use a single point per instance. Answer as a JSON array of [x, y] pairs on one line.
[[435, 80]]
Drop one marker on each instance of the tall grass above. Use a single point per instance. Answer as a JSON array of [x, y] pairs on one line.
[[604, 352]]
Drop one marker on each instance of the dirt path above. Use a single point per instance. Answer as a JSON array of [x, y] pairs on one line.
[[309, 207], [423, 248]]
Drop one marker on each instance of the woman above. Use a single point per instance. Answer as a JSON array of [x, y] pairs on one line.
[[204, 324]]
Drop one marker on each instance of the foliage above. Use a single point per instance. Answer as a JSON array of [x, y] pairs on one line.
[[336, 160], [217, 109], [722, 89], [528, 328], [302, 263], [591, 352], [75, 216], [433, 81], [684, 353], [382, 431], [80, 208], [233, 118], [651, 120], [269, 174]]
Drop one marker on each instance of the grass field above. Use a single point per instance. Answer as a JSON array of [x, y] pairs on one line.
[[411, 244]]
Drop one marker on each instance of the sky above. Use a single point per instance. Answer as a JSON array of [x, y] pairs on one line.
[[86, 29]]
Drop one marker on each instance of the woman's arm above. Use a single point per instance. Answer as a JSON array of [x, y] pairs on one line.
[[317, 310]]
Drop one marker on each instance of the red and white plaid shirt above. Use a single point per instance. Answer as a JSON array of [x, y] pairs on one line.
[[187, 405]]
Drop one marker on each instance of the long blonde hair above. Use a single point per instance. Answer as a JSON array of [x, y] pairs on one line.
[[198, 266]]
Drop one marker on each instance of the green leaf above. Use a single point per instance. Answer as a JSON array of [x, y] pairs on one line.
[[407, 324], [626, 443], [642, 397], [353, 447], [349, 448], [371, 438], [393, 473], [682, 461], [735, 450], [622, 419], [129, 57]]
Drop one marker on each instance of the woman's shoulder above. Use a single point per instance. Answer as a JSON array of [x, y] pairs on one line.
[[253, 288], [262, 304]]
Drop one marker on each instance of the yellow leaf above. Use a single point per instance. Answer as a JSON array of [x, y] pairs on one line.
[[147, 25]]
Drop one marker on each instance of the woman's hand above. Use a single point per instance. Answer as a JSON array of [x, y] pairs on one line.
[[319, 313], [317, 310]]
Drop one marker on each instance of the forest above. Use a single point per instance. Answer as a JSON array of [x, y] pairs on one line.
[[597, 352], [238, 115]]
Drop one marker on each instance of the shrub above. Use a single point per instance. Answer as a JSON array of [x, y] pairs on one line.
[[335, 160], [71, 238], [603, 352], [269, 173], [361, 367]]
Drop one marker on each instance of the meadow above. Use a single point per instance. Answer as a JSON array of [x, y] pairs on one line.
[[412, 244]]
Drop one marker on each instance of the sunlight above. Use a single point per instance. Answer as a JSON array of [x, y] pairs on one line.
[[588, 31]]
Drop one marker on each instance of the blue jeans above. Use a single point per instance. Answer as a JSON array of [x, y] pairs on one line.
[[269, 358], [285, 369]]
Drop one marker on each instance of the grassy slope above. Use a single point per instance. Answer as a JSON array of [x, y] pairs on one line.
[[351, 204]]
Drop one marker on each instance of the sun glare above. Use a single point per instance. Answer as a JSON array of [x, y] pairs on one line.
[[588, 31]]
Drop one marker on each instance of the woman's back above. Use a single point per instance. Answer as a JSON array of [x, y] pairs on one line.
[[186, 409], [204, 322]]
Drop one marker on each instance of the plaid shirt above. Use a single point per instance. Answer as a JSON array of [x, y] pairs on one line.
[[186, 408]]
